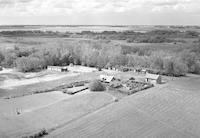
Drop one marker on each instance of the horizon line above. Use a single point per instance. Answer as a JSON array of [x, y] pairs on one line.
[[89, 25]]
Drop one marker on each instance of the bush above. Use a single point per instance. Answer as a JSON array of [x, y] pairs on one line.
[[131, 78], [96, 86], [40, 134]]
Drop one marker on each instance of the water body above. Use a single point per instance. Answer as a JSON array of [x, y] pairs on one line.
[[73, 29]]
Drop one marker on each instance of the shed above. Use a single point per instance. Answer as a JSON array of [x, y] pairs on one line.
[[153, 78], [144, 71], [57, 68], [106, 78]]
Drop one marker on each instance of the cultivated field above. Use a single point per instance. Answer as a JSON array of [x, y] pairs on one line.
[[171, 110], [49, 111]]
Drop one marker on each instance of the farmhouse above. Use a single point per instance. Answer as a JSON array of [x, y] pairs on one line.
[[106, 78], [57, 68], [153, 78]]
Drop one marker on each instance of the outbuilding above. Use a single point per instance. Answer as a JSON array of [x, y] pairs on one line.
[[106, 78], [153, 78], [57, 68], [144, 71]]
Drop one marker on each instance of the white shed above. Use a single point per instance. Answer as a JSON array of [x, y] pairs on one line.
[[153, 78], [57, 68], [106, 78]]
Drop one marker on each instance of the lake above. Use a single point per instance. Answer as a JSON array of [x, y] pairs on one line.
[[73, 29]]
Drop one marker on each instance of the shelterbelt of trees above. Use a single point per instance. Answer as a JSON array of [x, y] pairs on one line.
[[171, 62]]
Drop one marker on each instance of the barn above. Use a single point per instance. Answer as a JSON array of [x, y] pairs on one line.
[[57, 68], [153, 78]]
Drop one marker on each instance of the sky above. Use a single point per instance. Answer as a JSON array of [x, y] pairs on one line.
[[100, 12]]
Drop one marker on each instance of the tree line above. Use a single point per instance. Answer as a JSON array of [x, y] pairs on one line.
[[103, 55]]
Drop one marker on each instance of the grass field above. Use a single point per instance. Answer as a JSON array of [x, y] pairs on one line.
[[30, 103], [49, 111]]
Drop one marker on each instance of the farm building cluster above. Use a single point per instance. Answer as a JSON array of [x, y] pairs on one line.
[[149, 78], [125, 87], [126, 69], [128, 87], [117, 82]]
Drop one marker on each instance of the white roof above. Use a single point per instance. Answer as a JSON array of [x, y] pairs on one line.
[[106, 78], [58, 67], [152, 76]]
